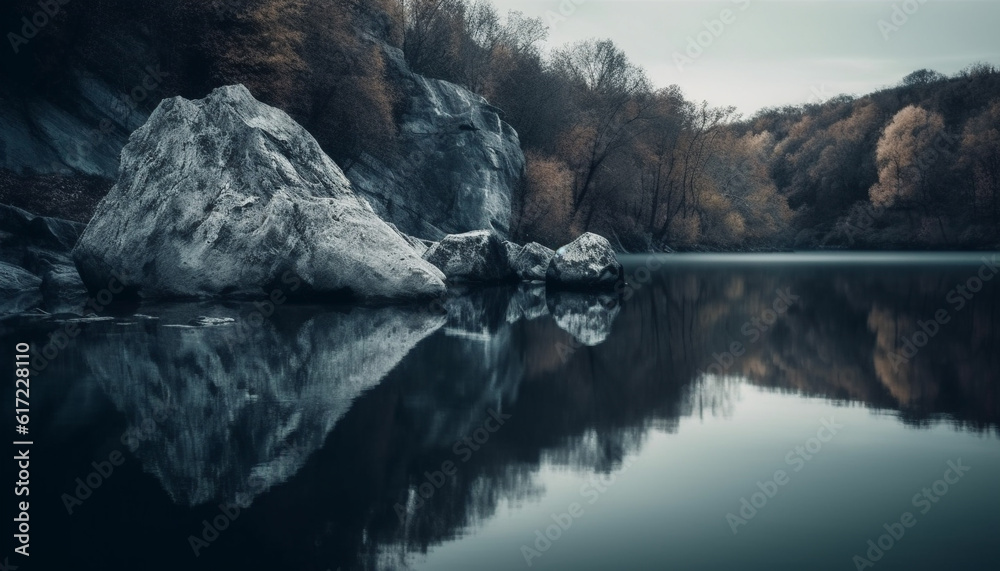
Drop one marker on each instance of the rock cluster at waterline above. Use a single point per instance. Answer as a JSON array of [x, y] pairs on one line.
[[227, 197], [589, 262]]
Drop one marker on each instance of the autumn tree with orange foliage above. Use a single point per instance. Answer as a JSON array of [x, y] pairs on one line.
[[904, 156], [902, 174], [544, 210]]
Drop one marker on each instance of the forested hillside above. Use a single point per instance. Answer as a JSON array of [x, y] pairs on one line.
[[917, 164]]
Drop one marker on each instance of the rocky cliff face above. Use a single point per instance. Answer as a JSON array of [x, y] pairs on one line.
[[81, 137], [457, 166]]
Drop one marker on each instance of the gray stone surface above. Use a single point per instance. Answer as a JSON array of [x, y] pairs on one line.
[[457, 166], [479, 256], [54, 233], [512, 249], [63, 290], [225, 196], [532, 262], [36, 271], [82, 136], [15, 280], [587, 262], [420, 246]]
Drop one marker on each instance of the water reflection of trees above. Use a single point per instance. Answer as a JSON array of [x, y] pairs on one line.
[[587, 408], [592, 407]]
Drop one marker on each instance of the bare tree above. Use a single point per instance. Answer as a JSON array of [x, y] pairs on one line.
[[612, 96], [432, 34], [980, 151]]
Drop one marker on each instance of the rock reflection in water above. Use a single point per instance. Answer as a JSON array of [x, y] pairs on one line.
[[528, 303], [245, 401], [586, 316]]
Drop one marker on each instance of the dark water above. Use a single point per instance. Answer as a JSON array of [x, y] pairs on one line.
[[317, 429]]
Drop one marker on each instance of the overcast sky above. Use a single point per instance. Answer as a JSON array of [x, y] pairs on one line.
[[780, 52]]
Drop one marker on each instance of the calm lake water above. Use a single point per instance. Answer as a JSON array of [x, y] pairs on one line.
[[728, 412]]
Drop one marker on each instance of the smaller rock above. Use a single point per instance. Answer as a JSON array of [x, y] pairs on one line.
[[532, 262], [479, 256], [587, 262], [14, 279], [22, 302], [63, 290], [513, 250]]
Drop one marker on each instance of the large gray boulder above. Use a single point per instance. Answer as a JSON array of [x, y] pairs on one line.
[[225, 196], [479, 256], [587, 262], [532, 262], [456, 166]]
